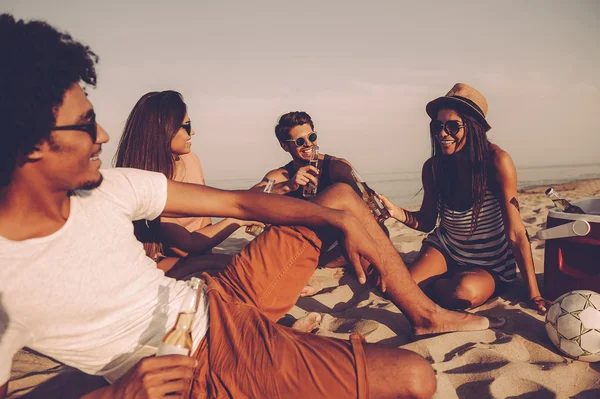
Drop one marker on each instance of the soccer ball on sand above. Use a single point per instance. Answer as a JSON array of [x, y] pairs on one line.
[[573, 325]]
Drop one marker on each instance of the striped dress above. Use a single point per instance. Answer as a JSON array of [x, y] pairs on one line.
[[487, 248]]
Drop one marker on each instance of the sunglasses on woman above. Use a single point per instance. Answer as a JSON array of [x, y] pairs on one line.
[[451, 127], [90, 128], [188, 128], [312, 137]]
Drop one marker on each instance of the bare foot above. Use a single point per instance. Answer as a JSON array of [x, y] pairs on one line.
[[312, 287], [444, 321], [307, 323]]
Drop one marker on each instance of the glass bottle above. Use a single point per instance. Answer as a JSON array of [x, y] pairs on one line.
[[561, 203], [255, 229], [178, 341], [310, 189], [379, 211]]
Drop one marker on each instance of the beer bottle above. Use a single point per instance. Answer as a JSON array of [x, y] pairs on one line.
[[178, 341], [310, 189], [561, 203], [379, 211], [254, 229]]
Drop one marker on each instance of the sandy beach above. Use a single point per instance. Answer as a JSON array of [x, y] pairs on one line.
[[517, 361]]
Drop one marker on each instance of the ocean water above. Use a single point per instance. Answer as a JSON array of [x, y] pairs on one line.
[[403, 187]]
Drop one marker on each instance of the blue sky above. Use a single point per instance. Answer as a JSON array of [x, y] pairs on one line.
[[363, 70]]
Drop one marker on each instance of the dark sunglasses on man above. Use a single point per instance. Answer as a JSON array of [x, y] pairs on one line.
[[90, 128], [312, 137], [451, 127]]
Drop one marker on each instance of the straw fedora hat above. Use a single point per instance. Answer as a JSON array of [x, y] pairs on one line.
[[463, 98]]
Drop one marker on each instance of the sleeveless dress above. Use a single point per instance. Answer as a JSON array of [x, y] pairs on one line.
[[324, 177], [487, 248]]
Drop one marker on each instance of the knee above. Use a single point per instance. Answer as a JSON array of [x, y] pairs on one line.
[[421, 382], [471, 290], [339, 196]]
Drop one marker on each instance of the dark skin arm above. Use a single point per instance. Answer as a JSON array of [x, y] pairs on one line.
[[426, 217], [196, 200], [3, 390]]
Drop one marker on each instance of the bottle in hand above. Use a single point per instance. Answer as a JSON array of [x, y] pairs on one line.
[[561, 203], [254, 229], [310, 189], [178, 341], [379, 211]]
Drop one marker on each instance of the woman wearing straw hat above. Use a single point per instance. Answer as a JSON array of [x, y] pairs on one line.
[[471, 184]]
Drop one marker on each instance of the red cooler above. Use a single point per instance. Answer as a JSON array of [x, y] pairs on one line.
[[572, 254]]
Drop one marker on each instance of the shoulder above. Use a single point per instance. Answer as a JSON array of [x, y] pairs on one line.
[[339, 162], [502, 169], [117, 178], [339, 169], [427, 170], [126, 185], [190, 158], [500, 160]]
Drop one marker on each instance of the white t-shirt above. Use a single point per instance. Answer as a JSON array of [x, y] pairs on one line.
[[87, 295]]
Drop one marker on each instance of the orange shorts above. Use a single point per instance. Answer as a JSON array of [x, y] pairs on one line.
[[246, 354]]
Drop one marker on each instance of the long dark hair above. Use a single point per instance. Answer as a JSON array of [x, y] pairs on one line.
[[445, 174], [146, 144]]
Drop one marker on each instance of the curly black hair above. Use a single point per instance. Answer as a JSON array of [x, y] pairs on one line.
[[37, 66]]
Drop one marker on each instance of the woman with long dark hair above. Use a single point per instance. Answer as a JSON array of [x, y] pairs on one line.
[[157, 137], [470, 184]]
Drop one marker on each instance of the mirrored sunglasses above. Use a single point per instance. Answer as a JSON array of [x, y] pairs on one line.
[[312, 137]]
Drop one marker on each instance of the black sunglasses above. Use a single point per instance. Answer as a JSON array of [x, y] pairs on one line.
[[90, 128], [312, 137], [188, 128], [451, 127]]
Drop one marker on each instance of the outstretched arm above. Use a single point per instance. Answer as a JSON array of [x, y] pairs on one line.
[[425, 218], [196, 200], [506, 179]]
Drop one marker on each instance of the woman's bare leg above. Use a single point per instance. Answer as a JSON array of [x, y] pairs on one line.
[[467, 289], [429, 265]]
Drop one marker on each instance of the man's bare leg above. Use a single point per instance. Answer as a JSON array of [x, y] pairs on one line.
[[398, 373], [424, 315]]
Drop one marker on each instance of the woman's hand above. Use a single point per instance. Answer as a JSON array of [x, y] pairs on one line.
[[156, 377], [304, 175], [395, 211], [540, 304]]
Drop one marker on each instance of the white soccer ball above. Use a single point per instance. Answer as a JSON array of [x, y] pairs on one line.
[[573, 325]]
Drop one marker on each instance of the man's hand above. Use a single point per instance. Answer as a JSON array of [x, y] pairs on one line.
[[360, 250], [156, 377], [304, 175]]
